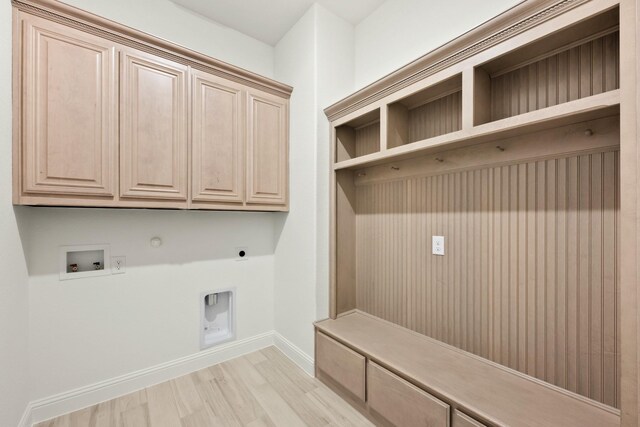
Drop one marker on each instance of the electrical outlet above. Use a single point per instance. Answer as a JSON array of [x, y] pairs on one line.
[[118, 264], [242, 253], [437, 245]]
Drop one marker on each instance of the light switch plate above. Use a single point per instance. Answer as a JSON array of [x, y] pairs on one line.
[[437, 245]]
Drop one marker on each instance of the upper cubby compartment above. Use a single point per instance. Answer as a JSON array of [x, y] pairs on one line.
[[431, 112], [573, 63], [358, 137]]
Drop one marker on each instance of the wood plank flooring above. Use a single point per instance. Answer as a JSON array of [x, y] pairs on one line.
[[260, 389]]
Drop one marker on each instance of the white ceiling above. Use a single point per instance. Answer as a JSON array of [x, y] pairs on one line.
[[269, 20]]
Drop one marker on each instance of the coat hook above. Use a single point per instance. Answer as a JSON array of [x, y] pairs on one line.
[[362, 174], [588, 132], [438, 159], [395, 168], [500, 148]]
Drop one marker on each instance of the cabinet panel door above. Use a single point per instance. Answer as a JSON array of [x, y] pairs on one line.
[[267, 149], [343, 365], [153, 120], [218, 142], [401, 403], [70, 111]]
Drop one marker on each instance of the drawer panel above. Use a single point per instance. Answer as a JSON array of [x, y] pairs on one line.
[[343, 365], [463, 420], [401, 403]]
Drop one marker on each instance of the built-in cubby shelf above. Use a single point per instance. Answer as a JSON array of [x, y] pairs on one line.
[[590, 108], [358, 137], [431, 112], [575, 63]]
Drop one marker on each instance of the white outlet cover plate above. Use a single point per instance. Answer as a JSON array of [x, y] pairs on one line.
[[118, 264], [437, 243]]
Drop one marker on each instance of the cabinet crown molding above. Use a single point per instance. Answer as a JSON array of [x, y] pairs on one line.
[[74, 17], [523, 16]]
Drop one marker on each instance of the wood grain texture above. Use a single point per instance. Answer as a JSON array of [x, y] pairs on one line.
[[154, 128], [460, 419], [70, 111], [578, 72], [267, 149], [530, 275], [499, 396], [259, 389], [435, 118], [367, 139], [343, 365], [400, 402], [217, 140]]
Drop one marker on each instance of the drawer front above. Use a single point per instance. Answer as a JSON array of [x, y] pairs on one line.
[[343, 365], [402, 403], [463, 420]]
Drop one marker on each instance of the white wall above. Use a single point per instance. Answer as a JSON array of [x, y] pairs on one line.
[[14, 368], [87, 330], [400, 31], [165, 19], [315, 57]]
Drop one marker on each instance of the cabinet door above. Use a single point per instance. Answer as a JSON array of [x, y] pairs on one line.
[[267, 149], [217, 140], [69, 111], [401, 403], [153, 120]]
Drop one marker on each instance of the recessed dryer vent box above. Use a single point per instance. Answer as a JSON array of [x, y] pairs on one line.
[[218, 317]]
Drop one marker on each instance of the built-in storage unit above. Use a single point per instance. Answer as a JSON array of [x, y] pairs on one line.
[[506, 143], [434, 111], [108, 116]]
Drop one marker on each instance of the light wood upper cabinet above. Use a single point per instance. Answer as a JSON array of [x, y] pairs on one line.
[[267, 149], [217, 139], [70, 111], [107, 116], [154, 128]]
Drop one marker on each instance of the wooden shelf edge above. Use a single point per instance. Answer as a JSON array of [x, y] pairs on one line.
[[584, 109]]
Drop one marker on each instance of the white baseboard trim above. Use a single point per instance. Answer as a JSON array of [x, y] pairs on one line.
[[299, 357], [26, 420], [63, 403]]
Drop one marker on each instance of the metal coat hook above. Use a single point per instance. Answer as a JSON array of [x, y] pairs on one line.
[[438, 159], [395, 168], [588, 132], [500, 148], [362, 174]]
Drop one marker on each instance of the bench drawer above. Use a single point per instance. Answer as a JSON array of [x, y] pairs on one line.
[[343, 365], [401, 403], [463, 420]]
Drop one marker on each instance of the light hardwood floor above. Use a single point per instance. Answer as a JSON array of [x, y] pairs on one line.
[[260, 389]]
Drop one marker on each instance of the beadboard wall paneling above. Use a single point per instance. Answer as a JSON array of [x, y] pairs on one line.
[[530, 273], [551, 81], [438, 117], [368, 139]]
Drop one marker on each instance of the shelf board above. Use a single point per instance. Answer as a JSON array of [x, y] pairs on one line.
[[590, 108], [498, 394]]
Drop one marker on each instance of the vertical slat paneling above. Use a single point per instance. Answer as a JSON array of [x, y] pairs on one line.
[[368, 139], [552, 81], [530, 275], [438, 117]]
